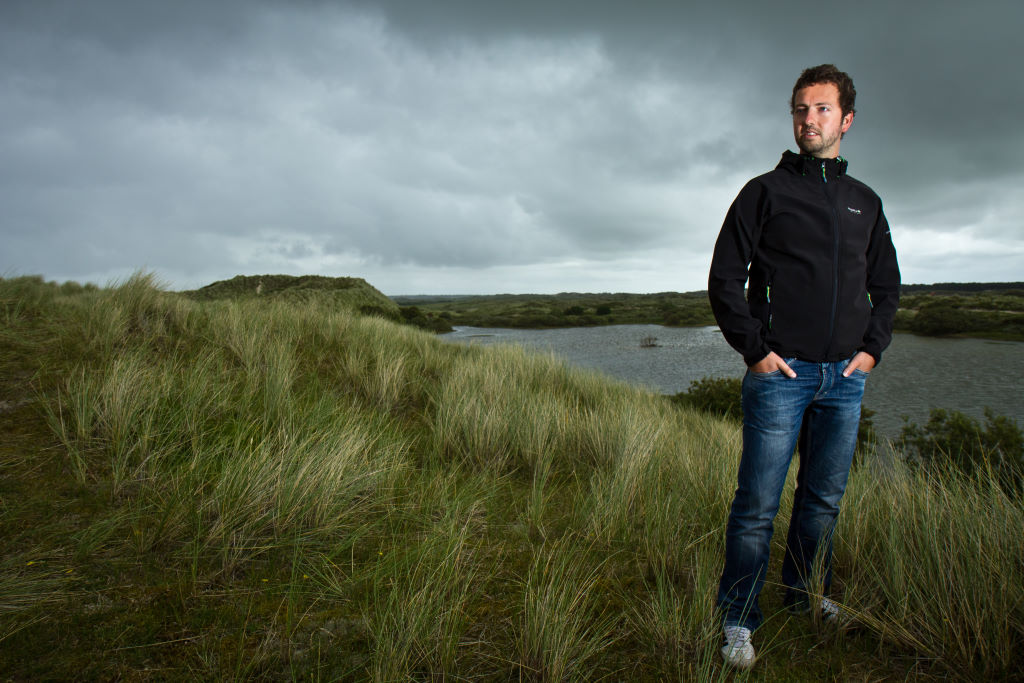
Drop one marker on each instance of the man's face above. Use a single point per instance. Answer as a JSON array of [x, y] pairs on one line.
[[818, 123]]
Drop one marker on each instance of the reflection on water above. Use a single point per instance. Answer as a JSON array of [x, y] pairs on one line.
[[916, 374]]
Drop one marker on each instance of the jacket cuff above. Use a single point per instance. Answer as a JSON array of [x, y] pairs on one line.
[[874, 353], [757, 355]]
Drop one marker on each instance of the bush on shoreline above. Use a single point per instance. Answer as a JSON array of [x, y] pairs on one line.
[[951, 439]]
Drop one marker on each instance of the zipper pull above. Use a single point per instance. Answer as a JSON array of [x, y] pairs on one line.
[[823, 176]]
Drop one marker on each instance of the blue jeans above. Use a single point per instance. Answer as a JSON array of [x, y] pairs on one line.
[[819, 410]]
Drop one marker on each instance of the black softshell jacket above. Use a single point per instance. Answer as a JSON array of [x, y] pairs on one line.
[[823, 278]]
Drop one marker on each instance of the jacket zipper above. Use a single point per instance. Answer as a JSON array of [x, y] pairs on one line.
[[835, 264]]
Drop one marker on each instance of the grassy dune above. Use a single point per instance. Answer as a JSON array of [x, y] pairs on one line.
[[282, 488]]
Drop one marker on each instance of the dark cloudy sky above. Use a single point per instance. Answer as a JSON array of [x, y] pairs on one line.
[[468, 146]]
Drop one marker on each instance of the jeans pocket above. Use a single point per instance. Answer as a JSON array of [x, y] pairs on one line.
[[773, 373], [857, 372]]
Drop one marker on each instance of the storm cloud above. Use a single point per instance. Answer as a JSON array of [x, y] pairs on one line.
[[456, 146]]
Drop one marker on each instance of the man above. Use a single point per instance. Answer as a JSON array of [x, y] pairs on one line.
[[813, 247]]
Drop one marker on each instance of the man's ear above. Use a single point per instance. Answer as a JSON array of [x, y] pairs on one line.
[[847, 121]]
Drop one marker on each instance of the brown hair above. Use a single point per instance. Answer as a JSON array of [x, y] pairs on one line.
[[828, 73]]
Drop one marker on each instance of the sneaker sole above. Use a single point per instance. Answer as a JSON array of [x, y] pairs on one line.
[[737, 663]]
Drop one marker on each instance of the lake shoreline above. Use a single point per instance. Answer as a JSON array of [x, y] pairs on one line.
[[905, 382], [967, 310]]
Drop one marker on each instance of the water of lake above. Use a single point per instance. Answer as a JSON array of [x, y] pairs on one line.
[[916, 373]]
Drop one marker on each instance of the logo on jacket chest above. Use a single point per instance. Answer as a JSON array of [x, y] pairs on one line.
[[853, 210]]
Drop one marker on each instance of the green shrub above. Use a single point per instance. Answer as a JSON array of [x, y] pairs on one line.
[[951, 438], [379, 311], [432, 323], [717, 395], [944, 317], [413, 315]]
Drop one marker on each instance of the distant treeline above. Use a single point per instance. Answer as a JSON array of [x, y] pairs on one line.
[[993, 310], [568, 309], [962, 287]]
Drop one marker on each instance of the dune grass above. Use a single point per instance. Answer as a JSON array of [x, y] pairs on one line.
[[282, 490]]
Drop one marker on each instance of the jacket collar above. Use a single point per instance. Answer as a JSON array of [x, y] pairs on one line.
[[808, 165]]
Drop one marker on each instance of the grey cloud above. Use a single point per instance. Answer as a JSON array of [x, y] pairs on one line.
[[204, 138]]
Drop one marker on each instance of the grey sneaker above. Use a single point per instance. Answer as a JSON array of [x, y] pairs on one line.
[[738, 651], [833, 614]]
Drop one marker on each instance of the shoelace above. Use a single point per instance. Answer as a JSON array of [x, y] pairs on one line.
[[737, 636]]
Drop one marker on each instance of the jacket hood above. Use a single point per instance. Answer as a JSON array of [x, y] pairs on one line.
[[803, 164]]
